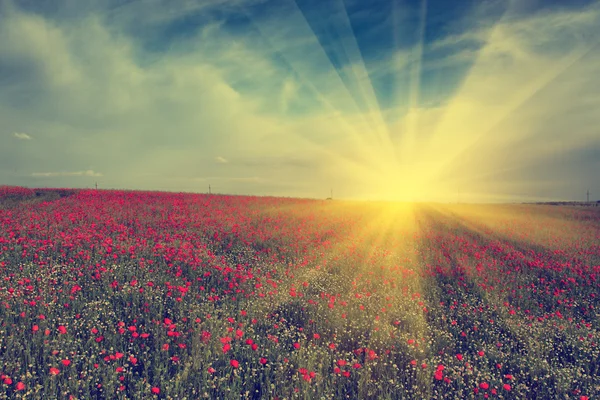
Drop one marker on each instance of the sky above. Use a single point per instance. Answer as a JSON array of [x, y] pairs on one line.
[[465, 100]]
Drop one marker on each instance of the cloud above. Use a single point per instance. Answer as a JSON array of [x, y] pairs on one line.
[[88, 172], [221, 160], [22, 136]]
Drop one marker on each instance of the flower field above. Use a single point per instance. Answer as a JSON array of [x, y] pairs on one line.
[[148, 295]]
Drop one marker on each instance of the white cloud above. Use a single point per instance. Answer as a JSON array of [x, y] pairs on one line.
[[88, 172], [221, 160], [22, 136]]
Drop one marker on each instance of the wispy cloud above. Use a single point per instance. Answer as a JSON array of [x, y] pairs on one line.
[[288, 92], [221, 160], [246, 179], [88, 172], [22, 136]]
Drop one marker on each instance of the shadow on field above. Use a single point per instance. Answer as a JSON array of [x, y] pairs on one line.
[[494, 308], [33, 196]]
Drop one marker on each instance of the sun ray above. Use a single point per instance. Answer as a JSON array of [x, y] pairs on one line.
[[520, 98], [338, 75], [319, 57], [452, 139], [408, 142], [364, 84]]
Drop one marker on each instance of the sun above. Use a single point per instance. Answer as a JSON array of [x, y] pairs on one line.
[[411, 182]]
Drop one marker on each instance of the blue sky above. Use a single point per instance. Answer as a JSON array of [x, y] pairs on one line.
[[410, 100]]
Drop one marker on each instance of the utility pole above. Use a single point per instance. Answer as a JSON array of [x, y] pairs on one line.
[[96, 185], [588, 195], [208, 189]]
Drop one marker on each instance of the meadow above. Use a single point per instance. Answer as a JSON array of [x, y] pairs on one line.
[[150, 295]]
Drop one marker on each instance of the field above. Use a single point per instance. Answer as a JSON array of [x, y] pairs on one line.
[[143, 295]]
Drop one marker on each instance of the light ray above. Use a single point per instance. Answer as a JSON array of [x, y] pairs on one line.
[[319, 57], [520, 98], [451, 139], [365, 86], [408, 142]]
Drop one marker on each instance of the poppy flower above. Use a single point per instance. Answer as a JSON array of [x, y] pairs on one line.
[[234, 363]]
